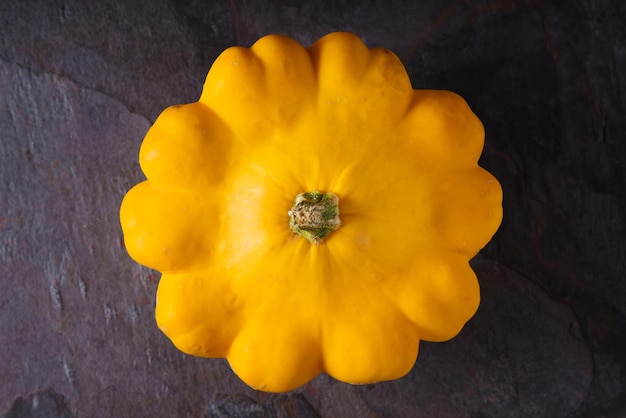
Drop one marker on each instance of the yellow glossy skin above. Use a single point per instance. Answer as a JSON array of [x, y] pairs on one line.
[[277, 120]]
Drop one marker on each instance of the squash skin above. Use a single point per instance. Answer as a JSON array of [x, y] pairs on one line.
[[276, 120]]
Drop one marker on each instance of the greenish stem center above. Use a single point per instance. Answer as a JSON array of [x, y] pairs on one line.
[[314, 215]]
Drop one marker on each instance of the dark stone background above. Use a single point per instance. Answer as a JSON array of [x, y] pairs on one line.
[[80, 83]]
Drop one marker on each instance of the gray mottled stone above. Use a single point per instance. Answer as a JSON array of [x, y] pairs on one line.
[[43, 404]]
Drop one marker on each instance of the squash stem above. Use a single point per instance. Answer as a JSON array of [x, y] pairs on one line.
[[314, 215]]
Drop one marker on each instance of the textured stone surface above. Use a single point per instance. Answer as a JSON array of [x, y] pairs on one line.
[[44, 404], [80, 83]]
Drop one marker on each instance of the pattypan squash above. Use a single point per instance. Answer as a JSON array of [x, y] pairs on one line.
[[311, 213]]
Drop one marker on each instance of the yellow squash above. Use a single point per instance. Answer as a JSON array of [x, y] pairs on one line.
[[312, 213]]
